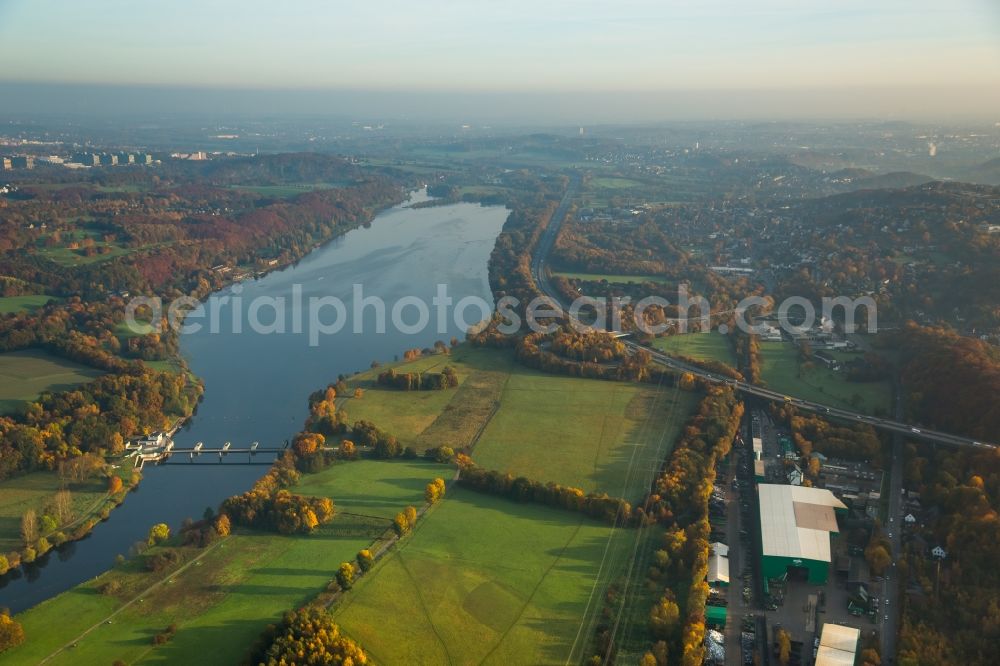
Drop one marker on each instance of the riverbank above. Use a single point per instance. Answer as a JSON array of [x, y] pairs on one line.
[[264, 400], [220, 598], [53, 535]]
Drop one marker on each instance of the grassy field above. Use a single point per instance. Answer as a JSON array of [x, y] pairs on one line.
[[36, 491], [373, 488], [612, 279], [25, 374], [423, 168], [164, 366], [64, 256], [780, 370], [613, 183], [502, 581], [701, 346], [222, 601], [409, 415], [286, 191], [10, 304], [486, 581], [124, 331], [580, 432], [584, 433]]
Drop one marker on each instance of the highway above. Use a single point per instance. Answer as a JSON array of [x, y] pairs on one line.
[[545, 244], [548, 239]]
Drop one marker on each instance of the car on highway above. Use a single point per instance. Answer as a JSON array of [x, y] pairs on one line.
[[916, 430]]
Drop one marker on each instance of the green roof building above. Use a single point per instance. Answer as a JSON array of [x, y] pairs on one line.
[[795, 526]]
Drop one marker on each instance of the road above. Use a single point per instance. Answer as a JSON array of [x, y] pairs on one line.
[[541, 279], [889, 621], [548, 239]]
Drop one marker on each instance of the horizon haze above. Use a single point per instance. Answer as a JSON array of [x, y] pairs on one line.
[[574, 62]]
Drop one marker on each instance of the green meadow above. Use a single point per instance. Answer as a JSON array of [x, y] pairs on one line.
[[480, 580], [483, 580], [781, 371], [580, 432], [709, 346], [222, 597], [9, 304], [36, 491], [26, 374], [286, 191]]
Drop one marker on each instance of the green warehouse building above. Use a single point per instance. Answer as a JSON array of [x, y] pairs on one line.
[[795, 527]]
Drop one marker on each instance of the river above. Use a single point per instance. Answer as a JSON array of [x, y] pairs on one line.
[[257, 383]]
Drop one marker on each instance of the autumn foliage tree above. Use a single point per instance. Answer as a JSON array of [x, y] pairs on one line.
[[435, 490], [11, 632], [613, 510], [365, 559], [281, 511], [784, 641], [679, 500], [348, 451], [158, 534], [29, 527], [405, 521], [951, 381], [345, 575], [62, 506], [878, 557], [308, 637], [664, 616], [223, 527]]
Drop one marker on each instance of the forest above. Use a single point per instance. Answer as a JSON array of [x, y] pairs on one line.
[[952, 381], [180, 230], [951, 615]]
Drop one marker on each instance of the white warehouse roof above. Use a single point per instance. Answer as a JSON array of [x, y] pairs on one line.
[[718, 564], [796, 521], [837, 645]]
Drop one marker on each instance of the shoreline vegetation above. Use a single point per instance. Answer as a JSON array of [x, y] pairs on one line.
[[354, 468], [88, 331], [381, 480]]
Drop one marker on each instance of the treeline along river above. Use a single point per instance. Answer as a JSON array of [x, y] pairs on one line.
[[257, 383]]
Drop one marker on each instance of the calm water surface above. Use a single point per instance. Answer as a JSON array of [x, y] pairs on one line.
[[257, 385]]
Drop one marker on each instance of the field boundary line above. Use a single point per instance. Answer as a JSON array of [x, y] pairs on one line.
[[534, 590], [640, 529], [135, 599], [423, 606]]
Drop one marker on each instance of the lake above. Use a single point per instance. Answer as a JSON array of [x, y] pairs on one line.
[[257, 383]]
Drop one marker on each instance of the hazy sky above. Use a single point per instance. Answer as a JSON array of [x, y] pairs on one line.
[[523, 45]]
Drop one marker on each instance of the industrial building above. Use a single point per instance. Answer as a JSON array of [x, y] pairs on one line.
[[838, 645], [718, 565], [795, 527], [17, 162]]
